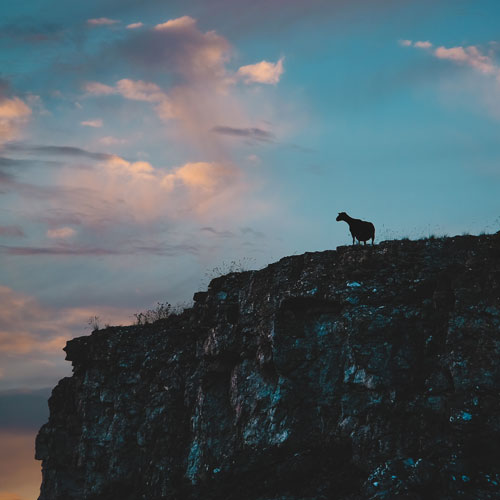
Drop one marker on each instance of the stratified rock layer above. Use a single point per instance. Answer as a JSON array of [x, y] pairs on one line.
[[360, 373]]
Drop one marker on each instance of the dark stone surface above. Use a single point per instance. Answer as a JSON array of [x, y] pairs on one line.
[[360, 373]]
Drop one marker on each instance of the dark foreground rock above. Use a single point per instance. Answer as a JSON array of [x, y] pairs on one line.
[[360, 373]]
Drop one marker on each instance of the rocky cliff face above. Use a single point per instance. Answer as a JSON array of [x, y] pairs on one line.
[[360, 373]]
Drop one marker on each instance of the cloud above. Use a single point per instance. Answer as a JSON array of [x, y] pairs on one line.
[[177, 24], [423, 45], [134, 26], [55, 151], [14, 113], [136, 90], [97, 123], [127, 248], [111, 141], [102, 21], [149, 92], [11, 231], [34, 32], [61, 233], [219, 234], [418, 44], [26, 326], [143, 192], [180, 46], [256, 134], [469, 56], [96, 88], [262, 72], [202, 91]]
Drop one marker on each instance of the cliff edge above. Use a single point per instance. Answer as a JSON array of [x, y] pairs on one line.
[[357, 373]]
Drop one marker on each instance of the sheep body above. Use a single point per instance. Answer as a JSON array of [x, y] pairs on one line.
[[360, 230]]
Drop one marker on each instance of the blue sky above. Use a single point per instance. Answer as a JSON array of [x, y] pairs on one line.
[[144, 144]]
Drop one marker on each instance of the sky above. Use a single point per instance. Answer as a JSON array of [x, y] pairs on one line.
[[146, 147]]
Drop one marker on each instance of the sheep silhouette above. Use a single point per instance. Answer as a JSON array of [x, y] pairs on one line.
[[360, 230]]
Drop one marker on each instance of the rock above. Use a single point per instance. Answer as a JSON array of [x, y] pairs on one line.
[[361, 373]]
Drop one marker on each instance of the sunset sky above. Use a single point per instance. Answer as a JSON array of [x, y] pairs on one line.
[[143, 144]]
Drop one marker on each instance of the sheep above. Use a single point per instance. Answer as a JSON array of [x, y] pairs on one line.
[[360, 229]]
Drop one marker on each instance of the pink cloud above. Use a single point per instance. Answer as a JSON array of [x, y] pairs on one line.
[[135, 90], [177, 24], [26, 326], [470, 56], [139, 191], [14, 113], [467, 56], [111, 141], [134, 26], [97, 123], [204, 93], [96, 88], [423, 45], [102, 21], [61, 233], [262, 72]]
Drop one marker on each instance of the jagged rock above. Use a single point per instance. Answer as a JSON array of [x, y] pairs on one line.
[[360, 373]]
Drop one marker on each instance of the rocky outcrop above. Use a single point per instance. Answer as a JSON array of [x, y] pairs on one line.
[[359, 373]]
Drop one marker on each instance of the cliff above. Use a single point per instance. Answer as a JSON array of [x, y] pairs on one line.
[[359, 373]]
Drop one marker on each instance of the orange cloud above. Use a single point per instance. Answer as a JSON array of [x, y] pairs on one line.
[[26, 326], [13, 114], [262, 72], [144, 192], [179, 23]]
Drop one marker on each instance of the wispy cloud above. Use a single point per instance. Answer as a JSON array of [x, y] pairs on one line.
[[61, 233], [71, 250], [134, 26], [97, 123], [471, 56], [55, 151], [136, 90], [109, 140], [423, 45], [12, 231], [219, 234], [254, 133], [102, 21]]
